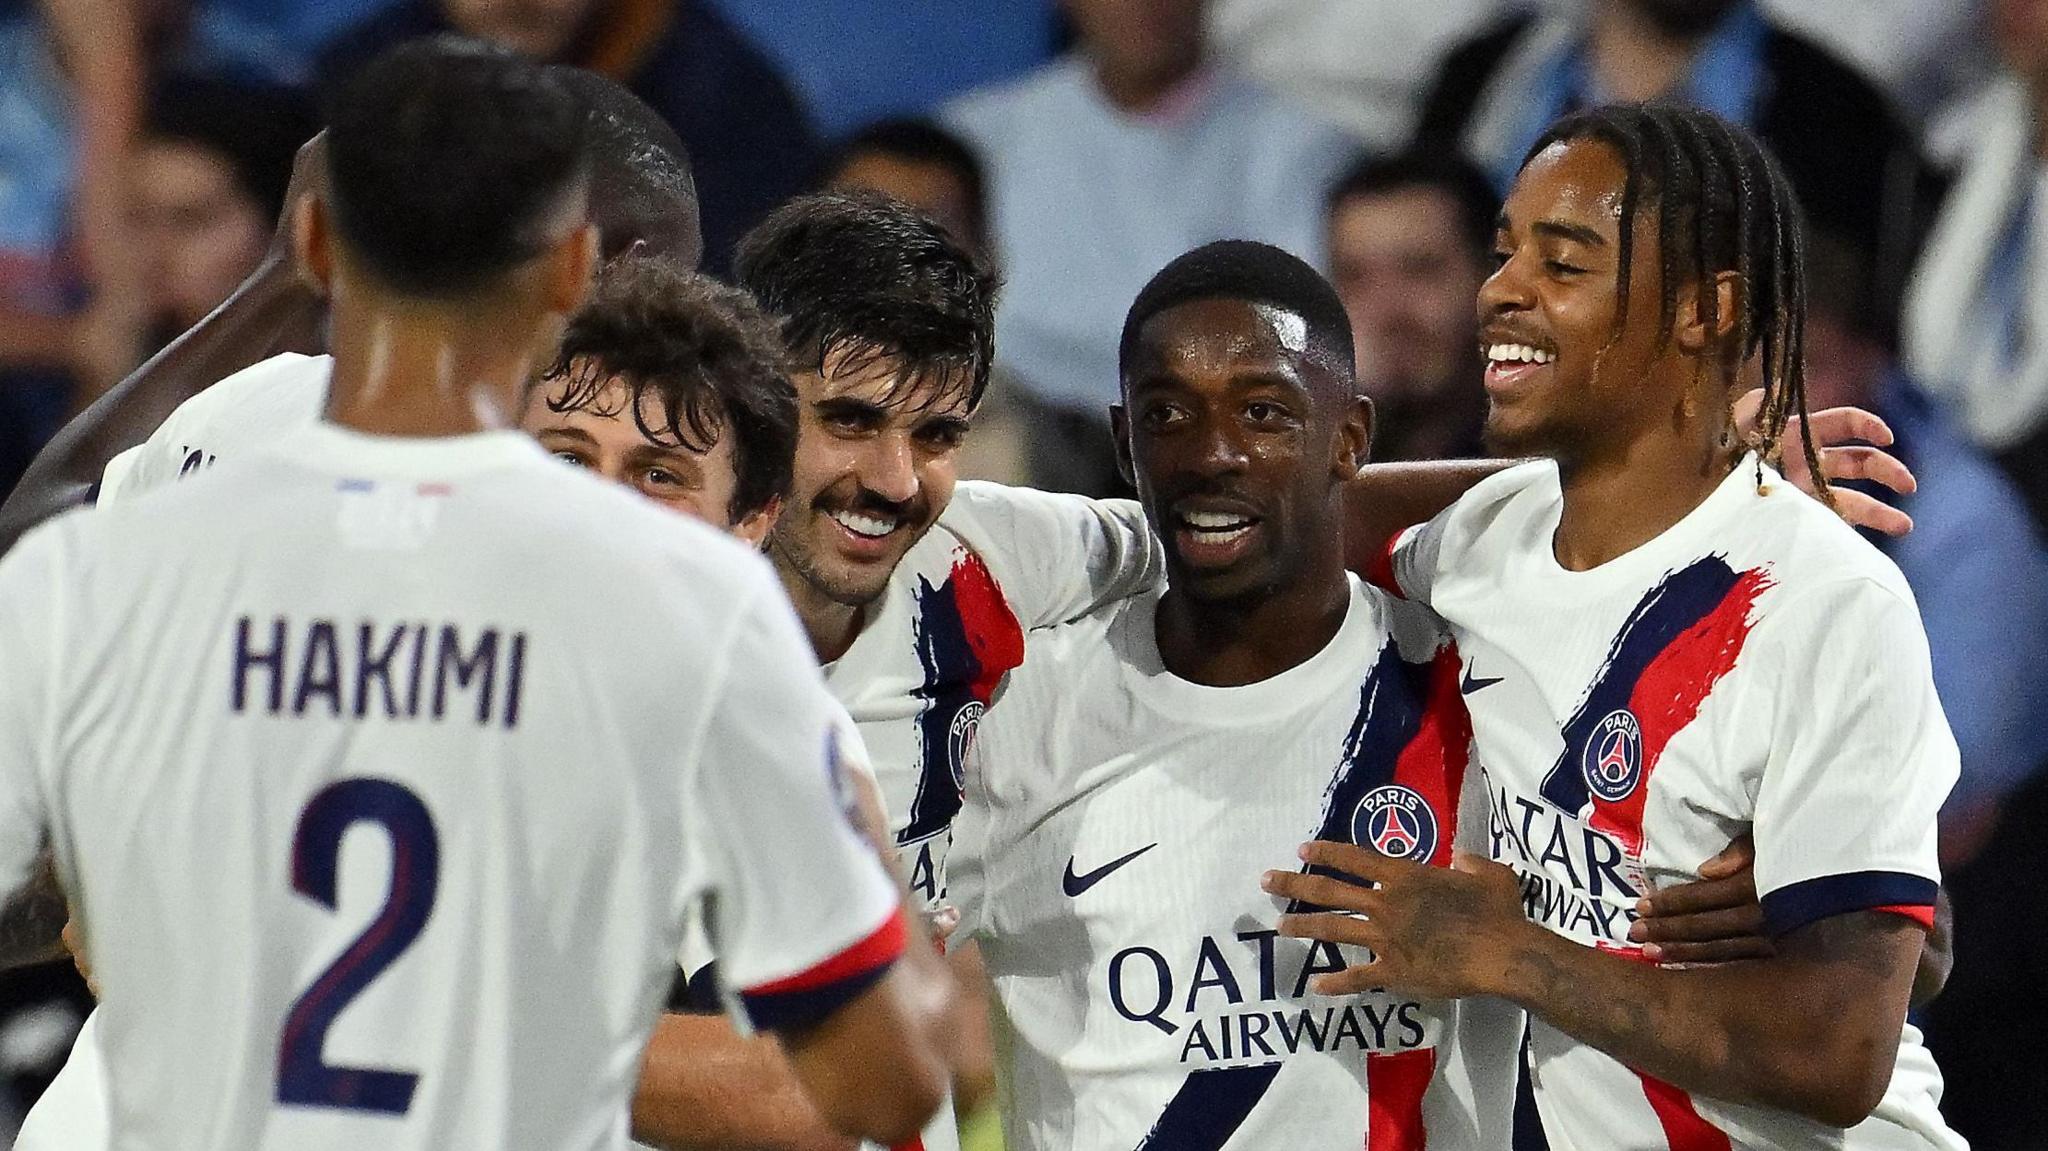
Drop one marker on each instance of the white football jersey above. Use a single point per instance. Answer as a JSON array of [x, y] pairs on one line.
[[1108, 861], [1757, 669], [347, 747]]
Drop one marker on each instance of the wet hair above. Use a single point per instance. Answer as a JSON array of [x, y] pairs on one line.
[[640, 171], [1256, 274], [709, 357], [914, 140], [1453, 176], [868, 278], [1721, 204], [447, 160]]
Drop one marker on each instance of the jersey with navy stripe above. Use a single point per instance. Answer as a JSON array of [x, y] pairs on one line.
[[347, 747], [1756, 669], [1119, 819]]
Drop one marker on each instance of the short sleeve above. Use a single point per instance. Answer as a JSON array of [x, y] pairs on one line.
[[1408, 566], [29, 590], [1860, 761], [802, 915], [1058, 557]]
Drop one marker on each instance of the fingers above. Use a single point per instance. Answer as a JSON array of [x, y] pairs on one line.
[[1350, 981], [1322, 891], [1746, 411], [1330, 927], [1351, 859], [1861, 511], [1703, 927], [1874, 464], [1717, 951], [1739, 856], [1844, 425], [1700, 896]]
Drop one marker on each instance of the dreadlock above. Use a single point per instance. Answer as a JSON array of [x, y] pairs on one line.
[[1723, 205]]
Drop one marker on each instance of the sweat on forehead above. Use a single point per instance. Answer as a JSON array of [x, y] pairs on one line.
[[1256, 274]]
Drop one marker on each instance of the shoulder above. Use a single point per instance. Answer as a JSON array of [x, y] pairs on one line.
[[1511, 493], [981, 511], [1822, 570]]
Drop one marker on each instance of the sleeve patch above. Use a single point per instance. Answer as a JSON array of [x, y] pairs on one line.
[[809, 996], [1811, 900]]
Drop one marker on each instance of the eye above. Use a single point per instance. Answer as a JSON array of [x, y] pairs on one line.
[[941, 437], [573, 459], [1159, 416], [1265, 412], [1560, 268], [660, 477]]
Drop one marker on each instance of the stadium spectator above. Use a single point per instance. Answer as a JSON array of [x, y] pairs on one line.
[[750, 143], [1975, 311], [1411, 238], [206, 182], [1856, 167], [1111, 161]]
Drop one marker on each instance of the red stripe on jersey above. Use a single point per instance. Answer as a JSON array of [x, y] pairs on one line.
[[1433, 764], [1380, 572], [916, 1144], [1394, 1086], [883, 947], [992, 629], [1669, 693], [1920, 913], [1684, 1130]]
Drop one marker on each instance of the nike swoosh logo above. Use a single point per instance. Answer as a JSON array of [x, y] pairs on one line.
[[1074, 885], [1474, 683]]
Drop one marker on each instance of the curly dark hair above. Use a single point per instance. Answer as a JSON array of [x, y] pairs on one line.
[[865, 277], [706, 352]]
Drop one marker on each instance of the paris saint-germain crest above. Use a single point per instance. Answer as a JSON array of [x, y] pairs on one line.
[[1396, 822], [1613, 757], [960, 739]]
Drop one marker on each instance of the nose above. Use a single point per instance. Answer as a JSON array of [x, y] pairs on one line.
[[1506, 291], [890, 469], [1218, 450]]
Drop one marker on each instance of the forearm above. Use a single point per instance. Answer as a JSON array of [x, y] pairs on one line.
[[1791, 1032], [271, 304], [1385, 499], [32, 921], [98, 42], [702, 1086]]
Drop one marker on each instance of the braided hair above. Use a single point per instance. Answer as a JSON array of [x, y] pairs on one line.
[[1723, 205]]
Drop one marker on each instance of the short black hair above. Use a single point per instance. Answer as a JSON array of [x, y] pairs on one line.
[[1721, 203], [915, 140], [445, 159], [255, 129], [641, 182], [1254, 273], [1452, 175], [707, 353], [869, 277]]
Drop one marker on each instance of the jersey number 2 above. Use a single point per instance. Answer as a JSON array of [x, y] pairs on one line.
[[304, 1078]]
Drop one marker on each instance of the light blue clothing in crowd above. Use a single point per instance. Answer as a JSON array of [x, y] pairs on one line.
[[858, 61], [1087, 202], [1980, 574], [38, 162], [267, 41]]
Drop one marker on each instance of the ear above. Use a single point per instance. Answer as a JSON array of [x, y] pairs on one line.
[[1120, 429], [1354, 439], [570, 265], [1692, 334], [754, 528], [313, 244]]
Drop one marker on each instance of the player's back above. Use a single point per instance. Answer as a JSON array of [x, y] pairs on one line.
[[372, 765]]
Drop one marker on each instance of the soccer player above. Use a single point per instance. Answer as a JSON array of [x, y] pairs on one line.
[[1146, 763], [1667, 645], [358, 656]]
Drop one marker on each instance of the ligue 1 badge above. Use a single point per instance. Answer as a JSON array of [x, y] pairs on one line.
[[960, 739], [1396, 822], [1613, 757]]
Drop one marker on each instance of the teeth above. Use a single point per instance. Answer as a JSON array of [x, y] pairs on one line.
[[1213, 520], [865, 526], [1518, 353]]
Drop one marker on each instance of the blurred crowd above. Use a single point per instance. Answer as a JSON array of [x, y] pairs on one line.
[[145, 147]]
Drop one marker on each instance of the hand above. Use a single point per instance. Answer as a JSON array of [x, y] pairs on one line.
[[1433, 931], [74, 942], [1851, 443], [1714, 919]]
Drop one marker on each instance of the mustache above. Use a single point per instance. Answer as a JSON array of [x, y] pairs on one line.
[[865, 502]]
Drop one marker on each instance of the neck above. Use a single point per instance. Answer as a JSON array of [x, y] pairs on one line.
[[1232, 644], [831, 626], [1620, 500], [1139, 92], [402, 370], [1632, 58]]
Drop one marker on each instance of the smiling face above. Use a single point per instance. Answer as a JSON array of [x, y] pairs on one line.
[[875, 460], [1238, 438], [1559, 375]]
